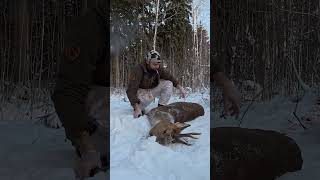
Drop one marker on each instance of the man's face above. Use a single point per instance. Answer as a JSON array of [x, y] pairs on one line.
[[154, 65]]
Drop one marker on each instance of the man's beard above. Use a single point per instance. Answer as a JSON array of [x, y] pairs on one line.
[[151, 70]]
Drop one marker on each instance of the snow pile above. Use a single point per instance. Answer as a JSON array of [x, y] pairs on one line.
[[278, 115], [134, 155]]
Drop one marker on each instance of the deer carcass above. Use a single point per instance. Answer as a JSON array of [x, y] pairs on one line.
[[168, 121]]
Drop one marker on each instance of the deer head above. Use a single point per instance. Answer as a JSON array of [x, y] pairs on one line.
[[167, 133]]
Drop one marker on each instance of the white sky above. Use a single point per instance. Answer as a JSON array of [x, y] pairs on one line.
[[204, 13]]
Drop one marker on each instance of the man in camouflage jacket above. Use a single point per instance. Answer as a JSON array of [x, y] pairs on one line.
[[230, 92], [149, 80], [84, 65]]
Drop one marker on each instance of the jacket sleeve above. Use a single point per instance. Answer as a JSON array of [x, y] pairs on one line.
[[133, 86], [167, 76]]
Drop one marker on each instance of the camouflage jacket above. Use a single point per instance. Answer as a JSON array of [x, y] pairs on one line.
[[141, 77]]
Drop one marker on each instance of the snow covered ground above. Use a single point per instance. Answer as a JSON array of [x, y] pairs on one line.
[[278, 115], [136, 156], [31, 151]]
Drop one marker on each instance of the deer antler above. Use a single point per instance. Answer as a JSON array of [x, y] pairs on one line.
[[189, 135], [178, 134], [180, 141]]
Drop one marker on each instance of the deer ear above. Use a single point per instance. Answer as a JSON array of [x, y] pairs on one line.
[[181, 125]]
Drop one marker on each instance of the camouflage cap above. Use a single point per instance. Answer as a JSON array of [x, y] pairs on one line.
[[154, 57]]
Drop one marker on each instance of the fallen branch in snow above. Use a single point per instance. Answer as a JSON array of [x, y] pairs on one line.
[[304, 86], [254, 98], [36, 139], [295, 115]]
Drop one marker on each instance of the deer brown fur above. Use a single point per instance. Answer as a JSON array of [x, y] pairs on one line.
[[168, 121]]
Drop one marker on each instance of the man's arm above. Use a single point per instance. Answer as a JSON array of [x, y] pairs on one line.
[[230, 93], [167, 76], [133, 86], [135, 78]]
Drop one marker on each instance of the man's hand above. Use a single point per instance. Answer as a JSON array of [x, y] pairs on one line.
[[231, 95], [182, 91], [87, 165], [137, 111], [89, 161]]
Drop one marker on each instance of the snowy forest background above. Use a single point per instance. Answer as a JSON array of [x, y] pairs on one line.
[[274, 45], [274, 51], [32, 40], [181, 39]]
